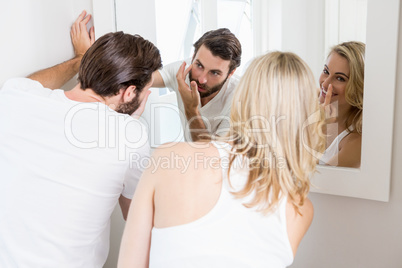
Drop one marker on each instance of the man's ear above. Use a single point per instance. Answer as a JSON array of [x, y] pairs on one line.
[[232, 72], [129, 94]]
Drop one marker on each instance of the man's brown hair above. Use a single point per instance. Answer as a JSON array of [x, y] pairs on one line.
[[116, 61], [222, 43]]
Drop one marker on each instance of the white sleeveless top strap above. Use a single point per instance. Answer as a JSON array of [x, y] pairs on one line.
[[333, 149]]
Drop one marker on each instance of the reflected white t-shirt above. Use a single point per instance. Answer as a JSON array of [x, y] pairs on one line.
[[63, 165], [333, 148]]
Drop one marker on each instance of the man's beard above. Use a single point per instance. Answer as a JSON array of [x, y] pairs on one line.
[[129, 107], [209, 91]]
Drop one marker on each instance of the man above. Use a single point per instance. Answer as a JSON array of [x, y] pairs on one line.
[[206, 102], [65, 156]]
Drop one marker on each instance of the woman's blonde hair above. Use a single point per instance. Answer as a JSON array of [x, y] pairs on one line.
[[271, 125], [354, 53]]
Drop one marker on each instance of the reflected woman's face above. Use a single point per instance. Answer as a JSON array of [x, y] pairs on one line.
[[336, 72]]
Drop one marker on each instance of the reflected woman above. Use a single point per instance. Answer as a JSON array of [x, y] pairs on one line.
[[342, 83], [241, 201]]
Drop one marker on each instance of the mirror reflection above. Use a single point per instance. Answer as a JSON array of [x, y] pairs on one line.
[[341, 91], [263, 26], [343, 76]]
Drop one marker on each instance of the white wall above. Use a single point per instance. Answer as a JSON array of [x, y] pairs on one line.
[[354, 233], [137, 20], [36, 34], [295, 26], [302, 31]]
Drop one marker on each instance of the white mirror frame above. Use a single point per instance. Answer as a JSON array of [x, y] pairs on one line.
[[372, 180]]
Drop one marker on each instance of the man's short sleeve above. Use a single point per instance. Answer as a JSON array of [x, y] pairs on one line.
[[25, 84], [224, 125]]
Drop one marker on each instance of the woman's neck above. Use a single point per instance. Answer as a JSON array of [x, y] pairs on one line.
[[342, 117]]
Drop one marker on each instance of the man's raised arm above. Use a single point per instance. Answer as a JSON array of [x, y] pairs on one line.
[[56, 76]]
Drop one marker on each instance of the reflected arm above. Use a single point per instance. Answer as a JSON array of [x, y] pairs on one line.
[[191, 101], [158, 80], [196, 124]]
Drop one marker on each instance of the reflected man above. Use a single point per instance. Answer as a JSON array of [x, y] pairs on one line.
[[205, 89]]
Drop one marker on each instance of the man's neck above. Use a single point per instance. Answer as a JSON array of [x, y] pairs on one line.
[[205, 100], [87, 95]]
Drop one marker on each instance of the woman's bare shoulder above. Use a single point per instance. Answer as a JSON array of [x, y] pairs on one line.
[[352, 139], [172, 159], [184, 147]]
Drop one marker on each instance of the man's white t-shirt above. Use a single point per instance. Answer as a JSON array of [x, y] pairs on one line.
[[64, 165], [216, 113]]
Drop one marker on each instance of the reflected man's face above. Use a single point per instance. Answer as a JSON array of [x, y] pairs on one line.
[[209, 72]]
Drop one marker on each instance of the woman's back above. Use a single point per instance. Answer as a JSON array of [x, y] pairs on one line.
[[199, 223]]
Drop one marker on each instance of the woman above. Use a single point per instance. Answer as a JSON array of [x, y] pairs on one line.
[[241, 201], [342, 82]]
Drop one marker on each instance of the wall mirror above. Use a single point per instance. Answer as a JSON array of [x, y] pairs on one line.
[[372, 180], [301, 28]]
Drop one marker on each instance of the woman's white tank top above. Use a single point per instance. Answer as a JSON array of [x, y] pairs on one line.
[[230, 235], [333, 149]]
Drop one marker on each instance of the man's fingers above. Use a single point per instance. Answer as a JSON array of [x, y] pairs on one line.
[[87, 18], [83, 23], [82, 15], [76, 24], [92, 35], [194, 90], [82, 38], [194, 87], [180, 74], [188, 70], [182, 66]]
